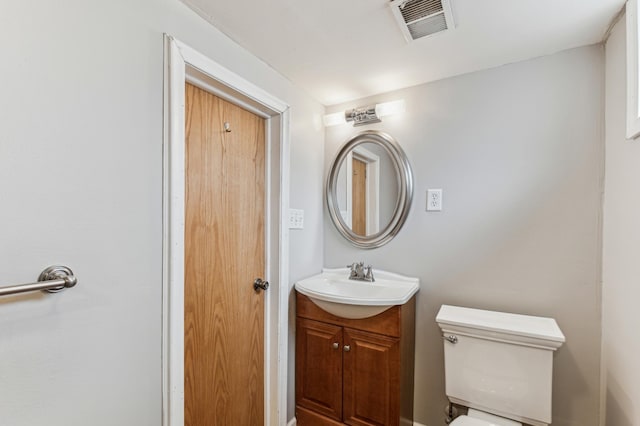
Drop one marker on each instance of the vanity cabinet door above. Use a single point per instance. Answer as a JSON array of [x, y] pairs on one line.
[[371, 377], [319, 367]]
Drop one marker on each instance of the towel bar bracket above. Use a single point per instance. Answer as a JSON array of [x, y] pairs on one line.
[[53, 279], [58, 273]]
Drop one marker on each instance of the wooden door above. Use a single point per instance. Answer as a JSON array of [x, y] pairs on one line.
[[319, 367], [371, 379], [359, 197], [224, 253]]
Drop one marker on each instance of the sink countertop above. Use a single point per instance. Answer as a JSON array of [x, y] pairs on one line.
[[333, 291]]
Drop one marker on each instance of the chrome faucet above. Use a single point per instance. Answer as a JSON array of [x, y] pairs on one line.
[[359, 272]]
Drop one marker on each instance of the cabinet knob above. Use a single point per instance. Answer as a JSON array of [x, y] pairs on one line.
[[346, 348], [336, 345]]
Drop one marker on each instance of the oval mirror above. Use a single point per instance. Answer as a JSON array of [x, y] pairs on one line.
[[369, 189]]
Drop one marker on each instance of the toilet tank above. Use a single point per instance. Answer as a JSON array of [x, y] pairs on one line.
[[500, 363]]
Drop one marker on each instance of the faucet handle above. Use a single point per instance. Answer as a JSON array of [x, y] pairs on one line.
[[354, 268], [369, 274]]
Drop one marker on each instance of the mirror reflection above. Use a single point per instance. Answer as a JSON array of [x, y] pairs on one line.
[[367, 189]]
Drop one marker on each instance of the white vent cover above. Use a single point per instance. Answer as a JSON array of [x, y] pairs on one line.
[[421, 18]]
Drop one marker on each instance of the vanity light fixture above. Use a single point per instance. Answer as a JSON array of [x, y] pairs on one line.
[[365, 115]]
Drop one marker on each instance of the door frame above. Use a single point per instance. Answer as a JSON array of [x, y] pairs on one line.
[[184, 64]]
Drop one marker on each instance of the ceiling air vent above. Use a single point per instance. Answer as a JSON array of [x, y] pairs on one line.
[[421, 18]]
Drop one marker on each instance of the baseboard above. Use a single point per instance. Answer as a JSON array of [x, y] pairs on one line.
[[293, 422]]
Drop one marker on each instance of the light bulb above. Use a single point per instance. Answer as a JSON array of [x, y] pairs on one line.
[[389, 108], [334, 119]]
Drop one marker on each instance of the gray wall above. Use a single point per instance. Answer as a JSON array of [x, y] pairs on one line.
[[518, 151], [81, 185], [621, 238]]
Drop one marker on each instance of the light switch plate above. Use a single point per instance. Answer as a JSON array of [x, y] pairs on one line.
[[296, 219]]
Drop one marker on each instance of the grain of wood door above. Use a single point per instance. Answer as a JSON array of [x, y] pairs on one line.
[[224, 253], [359, 197]]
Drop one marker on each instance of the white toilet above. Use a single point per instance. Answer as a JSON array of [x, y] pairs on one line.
[[499, 365]]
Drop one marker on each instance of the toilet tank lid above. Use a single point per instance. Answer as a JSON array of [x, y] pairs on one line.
[[501, 322]]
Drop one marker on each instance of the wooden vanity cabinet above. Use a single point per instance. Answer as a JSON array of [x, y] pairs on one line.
[[355, 372], [319, 367]]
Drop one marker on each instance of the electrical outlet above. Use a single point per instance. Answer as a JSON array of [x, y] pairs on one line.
[[296, 219], [434, 200]]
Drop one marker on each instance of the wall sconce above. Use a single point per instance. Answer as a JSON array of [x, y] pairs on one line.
[[364, 115]]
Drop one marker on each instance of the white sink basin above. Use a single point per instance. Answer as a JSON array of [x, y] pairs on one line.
[[334, 292]]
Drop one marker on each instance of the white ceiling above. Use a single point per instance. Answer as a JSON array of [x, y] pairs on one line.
[[344, 50]]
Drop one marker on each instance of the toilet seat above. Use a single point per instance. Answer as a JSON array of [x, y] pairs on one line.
[[479, 418], [470, 421]]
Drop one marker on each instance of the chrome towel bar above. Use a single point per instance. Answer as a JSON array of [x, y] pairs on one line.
[[53, 279]]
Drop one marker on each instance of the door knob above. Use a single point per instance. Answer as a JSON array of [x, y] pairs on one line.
[[346, 348], [336, 345], [259, 284]]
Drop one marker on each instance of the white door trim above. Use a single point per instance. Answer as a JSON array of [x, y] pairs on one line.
[[184, 64]]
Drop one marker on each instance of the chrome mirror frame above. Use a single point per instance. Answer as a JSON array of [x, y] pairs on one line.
[[405, 189]]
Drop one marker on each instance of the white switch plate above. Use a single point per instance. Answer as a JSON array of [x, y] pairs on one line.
[[296, 219], [434, 200]]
